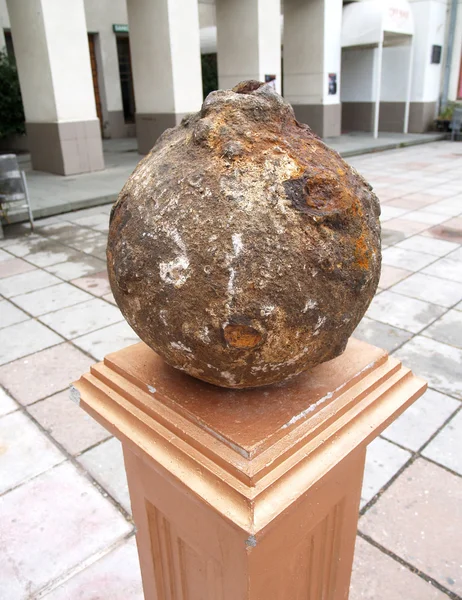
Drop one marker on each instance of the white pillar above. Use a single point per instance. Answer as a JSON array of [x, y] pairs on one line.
[[53, 60], [378, 87], [248, 41], [312, 56], [166, 63], [409, 87]]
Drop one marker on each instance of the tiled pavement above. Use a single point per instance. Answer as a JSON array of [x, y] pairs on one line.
[[61, 474]]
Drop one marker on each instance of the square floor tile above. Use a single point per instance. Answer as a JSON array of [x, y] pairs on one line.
[[91, 220], [431, 289], [49, 526], [10, 315], [415, 518], [446, 231], [391, 212], [391, 275], [78, 266], [379, 334], [447, 329], [25, 338], [403, 312], [106, 340], [383, 461], [450, 207], [456, 255], [116, 576], [106, 464], [446, 447], [407, 228], [446, 269], [390, 237], [50, 253], [23, 245], [96, 284], [438, 363], [424, 216], [26, 282], [44, 373], [5, 256], [429, 245], [50, 299], [377, 576], [69, 425], [109, 298], [7, 404], [406, 259], [82, 318], [26, 451], [14, 266], [420, 421]]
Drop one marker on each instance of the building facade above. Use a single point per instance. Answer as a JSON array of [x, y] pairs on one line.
[[93, 69]]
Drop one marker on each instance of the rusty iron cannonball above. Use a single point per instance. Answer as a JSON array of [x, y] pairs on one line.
[[242, 249]]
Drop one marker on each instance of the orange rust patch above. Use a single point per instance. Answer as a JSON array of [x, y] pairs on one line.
[[242, 336], [362, 253]]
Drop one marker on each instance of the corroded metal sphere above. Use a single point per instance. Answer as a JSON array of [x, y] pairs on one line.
[[242, 249]]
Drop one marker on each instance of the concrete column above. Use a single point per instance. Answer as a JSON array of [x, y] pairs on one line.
[[248, 41], [166, 63], [312, 54], [53, 60]]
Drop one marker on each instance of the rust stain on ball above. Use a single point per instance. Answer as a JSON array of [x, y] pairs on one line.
[[243, 249]]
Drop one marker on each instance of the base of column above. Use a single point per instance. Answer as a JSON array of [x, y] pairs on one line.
[[324, 119], [150, 126], [117, 127], [359, 116], [66, 147]]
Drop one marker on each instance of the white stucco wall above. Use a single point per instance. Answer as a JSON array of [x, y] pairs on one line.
[[4, 22], [358, 68], [456, 57]]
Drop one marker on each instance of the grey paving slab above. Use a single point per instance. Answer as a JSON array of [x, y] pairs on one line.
[[25, 338], [7, 404], [26, 455], [456, 255], [403, 312], [82, 318], [93, 220], [450, 207], [421, 243], [406, 259], [68, 424], [106, 464], [26, 282], [51, 298], [390, 237], [390, 212], [421, 420], [10, 314], [383, 461], [44, 373], [117, 575], [380, 334], [430, 289], [438, 363], [106, 340], [77, 266], [377, 576], [50, 253], [446, 269], [5, 256], [60, 506], [446, 447], [447, 329], [415, 519], [96, 284], [391, 275], [23, 245]]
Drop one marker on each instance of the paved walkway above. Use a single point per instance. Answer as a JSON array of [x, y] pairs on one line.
[[53, 194], [65, 525]]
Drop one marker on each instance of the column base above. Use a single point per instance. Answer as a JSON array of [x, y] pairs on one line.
[[324, 119], [66, 147], [150, 126], [359, 116]]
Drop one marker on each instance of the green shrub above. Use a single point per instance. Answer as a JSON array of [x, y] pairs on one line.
[[11, 109]]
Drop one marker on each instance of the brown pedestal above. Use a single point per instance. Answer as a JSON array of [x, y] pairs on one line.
[[246, 495]]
